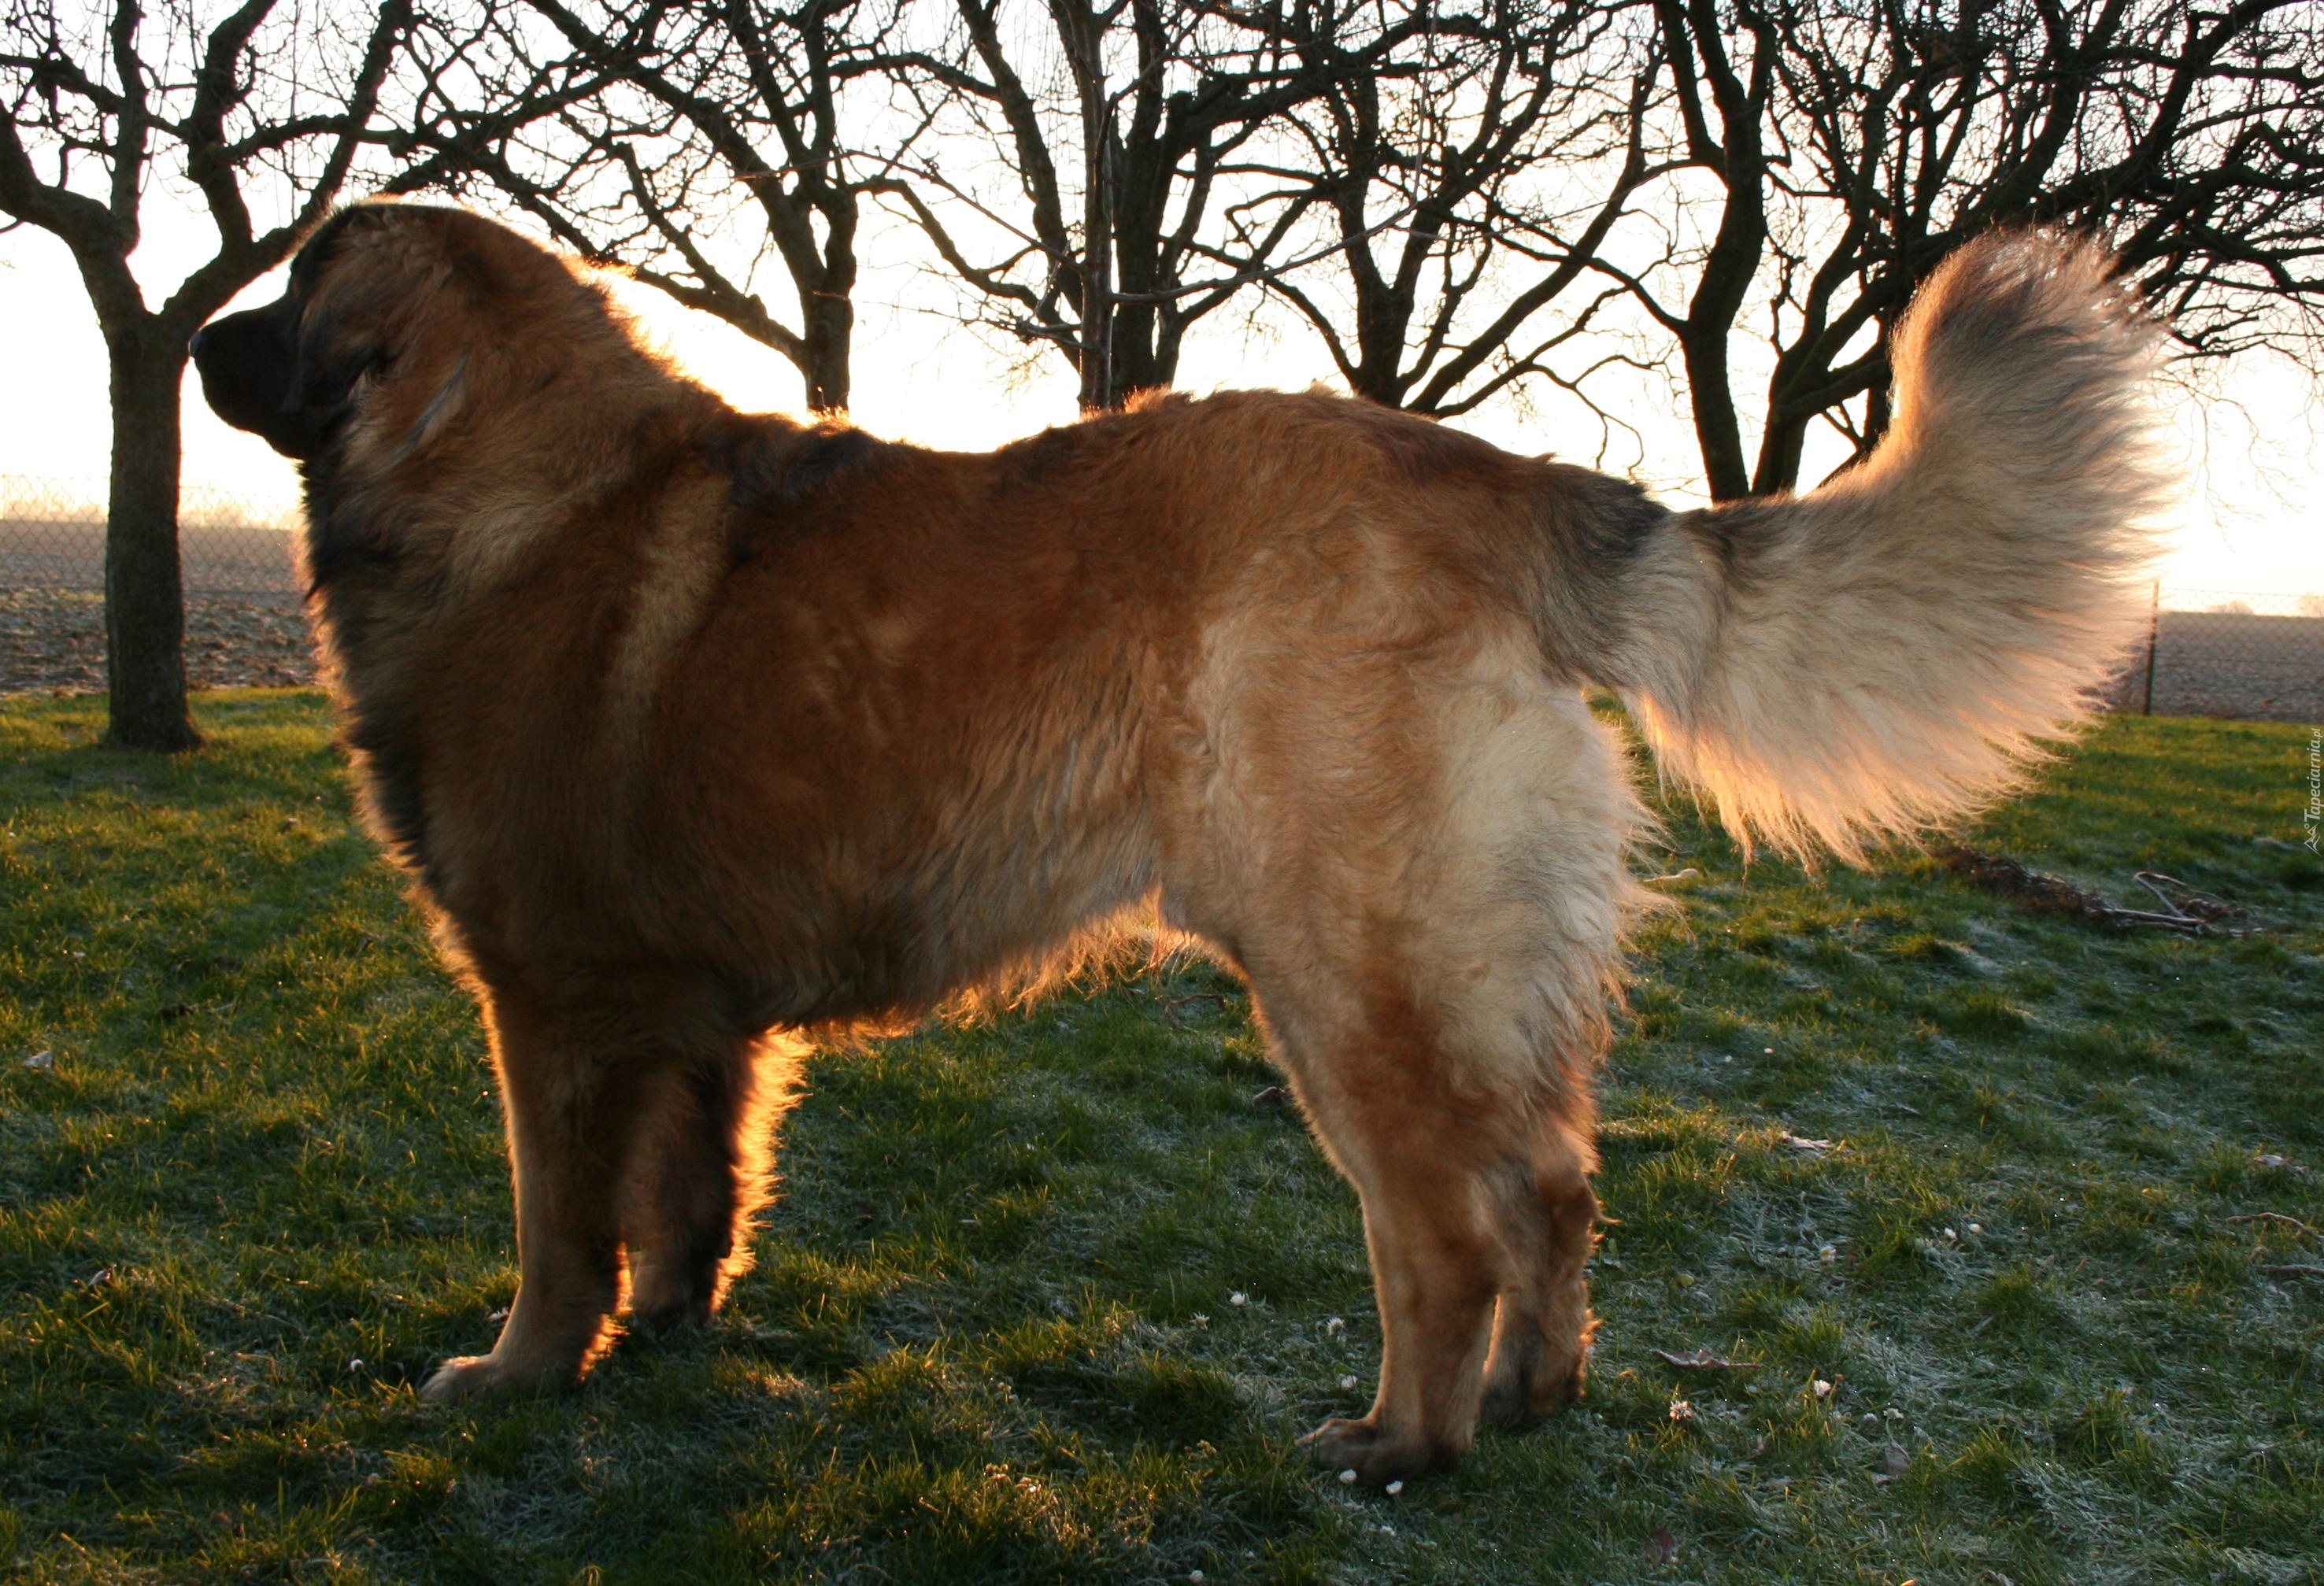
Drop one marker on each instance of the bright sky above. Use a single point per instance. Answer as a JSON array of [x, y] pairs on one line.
[[2252, 521]]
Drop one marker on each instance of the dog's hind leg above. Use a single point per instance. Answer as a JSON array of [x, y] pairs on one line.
[[1476, 1201], [1429, 917], [1541, 1331], [1425, 1189], [698, 1176], [574, 1088]]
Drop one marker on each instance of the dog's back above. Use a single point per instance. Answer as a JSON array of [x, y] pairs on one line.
[[921, 715]]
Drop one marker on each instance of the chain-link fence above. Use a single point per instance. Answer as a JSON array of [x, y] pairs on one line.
[[2207, 652], [52, 537], [2224, 652]]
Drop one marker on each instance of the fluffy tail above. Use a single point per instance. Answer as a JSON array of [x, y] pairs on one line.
[[1886, 653]]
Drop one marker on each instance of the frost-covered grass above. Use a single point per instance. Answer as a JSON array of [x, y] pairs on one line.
[[994, 1335]]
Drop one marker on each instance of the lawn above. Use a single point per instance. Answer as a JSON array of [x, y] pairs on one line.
[[1048, 1298]]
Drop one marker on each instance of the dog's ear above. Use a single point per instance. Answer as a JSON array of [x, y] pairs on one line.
[[329, 356], [329, 360]]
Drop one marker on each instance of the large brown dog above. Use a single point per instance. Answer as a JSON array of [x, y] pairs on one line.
[[696, 729]]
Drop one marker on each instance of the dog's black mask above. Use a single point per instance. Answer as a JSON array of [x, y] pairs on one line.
[[289, 383]]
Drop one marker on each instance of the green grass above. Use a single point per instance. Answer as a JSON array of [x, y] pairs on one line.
[[992, 1335]]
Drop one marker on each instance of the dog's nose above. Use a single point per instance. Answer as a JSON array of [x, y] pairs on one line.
[[194, 342]]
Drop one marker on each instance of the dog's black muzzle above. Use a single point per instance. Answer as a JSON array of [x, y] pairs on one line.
[[255, 379]]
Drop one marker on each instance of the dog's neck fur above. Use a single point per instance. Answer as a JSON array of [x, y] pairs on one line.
[[461, 477]]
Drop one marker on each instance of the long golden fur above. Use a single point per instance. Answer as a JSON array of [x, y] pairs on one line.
[[698, 730]]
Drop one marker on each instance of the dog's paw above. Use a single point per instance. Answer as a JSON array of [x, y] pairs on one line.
[[470, 1376], [669, 1317], [1520, 1397], [1375, 1455], [668, 1302]]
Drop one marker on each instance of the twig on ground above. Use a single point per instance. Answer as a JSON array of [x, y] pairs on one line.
[[1702, 1360], [2288, 1222], [1170, 1005], [2190, 914], [2293, 1271]]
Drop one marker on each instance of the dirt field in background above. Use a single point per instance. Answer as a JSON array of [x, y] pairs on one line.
[[244, 625], [238, 560], [52, 642]]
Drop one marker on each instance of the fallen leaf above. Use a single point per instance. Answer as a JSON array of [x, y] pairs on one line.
[[1662, 1547], [1803, 1145], [42, 1060], [1701, 1361]]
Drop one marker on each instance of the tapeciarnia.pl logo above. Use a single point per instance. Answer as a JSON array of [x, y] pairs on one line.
[[2312, 819]]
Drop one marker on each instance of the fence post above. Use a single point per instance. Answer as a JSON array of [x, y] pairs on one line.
[[2154, 630]]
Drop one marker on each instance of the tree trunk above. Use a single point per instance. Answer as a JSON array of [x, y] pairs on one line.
[[1712, 397], [144, 594], [1101, 389], [830, 343], [1142, 359], [1727, 276], [1781, 446]]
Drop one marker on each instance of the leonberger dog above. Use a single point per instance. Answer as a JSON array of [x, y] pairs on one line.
[[697, 731]]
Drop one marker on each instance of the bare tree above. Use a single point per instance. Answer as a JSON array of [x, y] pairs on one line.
[[94, 106], [251, 111], [714, 134], [1100, 179], [1468, 181], [1855, 143]]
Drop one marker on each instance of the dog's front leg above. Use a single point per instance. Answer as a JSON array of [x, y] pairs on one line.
[[698, 1171], [572, 1100]]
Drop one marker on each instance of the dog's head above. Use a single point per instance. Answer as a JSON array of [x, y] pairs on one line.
[[376, 334], [443, 382]]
